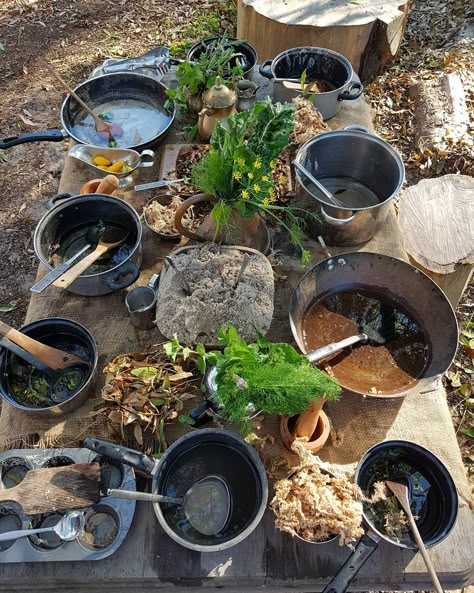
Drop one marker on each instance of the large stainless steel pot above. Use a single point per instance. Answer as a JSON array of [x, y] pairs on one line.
[[73, 213], [357, 158], [286, 69]]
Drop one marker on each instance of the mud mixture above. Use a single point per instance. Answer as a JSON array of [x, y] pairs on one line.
[[210, 273]]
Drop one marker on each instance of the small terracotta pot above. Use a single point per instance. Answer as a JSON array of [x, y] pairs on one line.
[[318, 439]]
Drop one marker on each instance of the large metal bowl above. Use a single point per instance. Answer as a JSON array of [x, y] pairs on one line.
[[397, 281]]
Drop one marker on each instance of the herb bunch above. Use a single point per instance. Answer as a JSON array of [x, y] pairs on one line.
[[238, 169]]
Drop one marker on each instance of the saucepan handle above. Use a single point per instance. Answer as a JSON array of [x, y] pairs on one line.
[[47, 135], [354, 91], [364, 549], [57, 198], [128, 271], [265, 69], [330, 220], [135, 459], [360, 129], [147, 158]]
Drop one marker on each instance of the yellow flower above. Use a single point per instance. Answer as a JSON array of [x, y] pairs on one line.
[[271, 192], [265, 201], [237, 175], [256, 187], [241, 162], [245, 194], [272, 164], [250, 175], [258, 163], [281, 180], [273, 199], [265, 178]]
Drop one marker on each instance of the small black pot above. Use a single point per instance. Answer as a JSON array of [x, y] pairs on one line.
[[70, 214], [437, 517], [54, 332], [242, 47]]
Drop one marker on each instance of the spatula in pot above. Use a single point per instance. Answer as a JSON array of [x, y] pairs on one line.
[[52, 489], [112, 237]]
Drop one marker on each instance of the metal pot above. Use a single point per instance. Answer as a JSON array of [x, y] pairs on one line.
[[244, 518], [103, 91], [249, 59], [54, 332], [437, 516], [352, 159], [69, 217], [286, 69]]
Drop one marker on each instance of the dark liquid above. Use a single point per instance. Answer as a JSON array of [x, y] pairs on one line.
[[8, 522], [212, 459], [100, 529], [367, 367]]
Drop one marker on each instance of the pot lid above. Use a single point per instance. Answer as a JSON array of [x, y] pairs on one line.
[[218, 95]]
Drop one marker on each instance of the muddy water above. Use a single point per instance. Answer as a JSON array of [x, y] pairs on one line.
[[367, 367]]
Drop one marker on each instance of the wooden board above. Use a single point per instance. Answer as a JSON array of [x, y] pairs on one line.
[[367, 32]]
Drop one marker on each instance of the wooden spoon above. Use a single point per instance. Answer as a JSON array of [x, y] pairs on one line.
[[112, 237], [51, 357], [46, 490], [102, 127], [400, 491]]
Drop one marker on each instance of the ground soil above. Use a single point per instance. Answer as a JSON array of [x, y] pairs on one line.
[[76, 35]]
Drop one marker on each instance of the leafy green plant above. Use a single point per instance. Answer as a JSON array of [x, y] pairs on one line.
[[272, 376], [239, 168]]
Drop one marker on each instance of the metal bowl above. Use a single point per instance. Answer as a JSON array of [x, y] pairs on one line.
[[54, 332]]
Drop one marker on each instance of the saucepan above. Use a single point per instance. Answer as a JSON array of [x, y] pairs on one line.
[[134, 101], [197, 455], [433, 500]]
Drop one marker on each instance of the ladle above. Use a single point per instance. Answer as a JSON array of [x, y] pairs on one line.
[[207, 504], [318, 184], [112, 237], [93, 235], [67, 528], [401, 492], [51, 357], [101, 126]]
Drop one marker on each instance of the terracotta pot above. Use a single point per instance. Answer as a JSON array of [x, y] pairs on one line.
[[248, 232], [319, 438]]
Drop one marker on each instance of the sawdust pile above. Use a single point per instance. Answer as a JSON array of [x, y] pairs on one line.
[[308, 121]]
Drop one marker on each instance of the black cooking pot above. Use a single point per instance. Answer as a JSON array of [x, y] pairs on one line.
[[67, 223], [103, 94], [436, 517], [250, 55]]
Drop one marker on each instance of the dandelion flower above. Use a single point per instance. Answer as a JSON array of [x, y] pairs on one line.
[[265, 178], [250, 175], [256, 187], [237, 175], [245, 194], [258, 163]]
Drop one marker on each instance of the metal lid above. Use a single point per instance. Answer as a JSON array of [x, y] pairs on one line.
[[218, 95]]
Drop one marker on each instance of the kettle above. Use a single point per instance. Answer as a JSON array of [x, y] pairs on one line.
[[219, 104]]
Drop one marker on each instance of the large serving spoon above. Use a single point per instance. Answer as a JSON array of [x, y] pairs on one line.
[[104, 128], [318, 184], [207, 504], [401, 492], [67, 528], [112, 237], [52, 357]]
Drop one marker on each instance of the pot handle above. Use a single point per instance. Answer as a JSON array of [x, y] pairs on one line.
[[46, 135], [265, 69], [335, 221], [354, 91], [52, 202], [135, 459], [149, 162], [196, 199], [199, 413], [360, 129], [364, 549], [125, 270]]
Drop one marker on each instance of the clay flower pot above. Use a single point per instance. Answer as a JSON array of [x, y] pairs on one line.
[[318, 438]]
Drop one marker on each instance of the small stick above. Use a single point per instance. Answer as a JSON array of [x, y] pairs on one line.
[[180, 275], [323, 246], [243, 267]]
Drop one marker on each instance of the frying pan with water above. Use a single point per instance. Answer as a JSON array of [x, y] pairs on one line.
[[101, 91], [436, 517]]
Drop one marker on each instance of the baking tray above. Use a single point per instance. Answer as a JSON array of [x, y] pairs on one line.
[[106, 523]]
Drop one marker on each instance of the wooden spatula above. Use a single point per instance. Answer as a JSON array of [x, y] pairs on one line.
[[112, 237], [52, 489], [400, 489], [52, 357]]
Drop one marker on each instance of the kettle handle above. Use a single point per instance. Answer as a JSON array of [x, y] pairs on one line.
[[196, 199]]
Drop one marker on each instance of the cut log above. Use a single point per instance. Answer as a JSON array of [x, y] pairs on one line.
[[436, 220], [367, 32]]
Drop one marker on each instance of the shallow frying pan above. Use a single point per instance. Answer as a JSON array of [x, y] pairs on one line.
[[437, 510], [105, 94]]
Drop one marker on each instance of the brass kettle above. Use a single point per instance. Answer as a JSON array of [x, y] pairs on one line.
[[219, 104]]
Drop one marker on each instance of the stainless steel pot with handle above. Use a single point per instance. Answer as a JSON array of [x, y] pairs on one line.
[[359, 169], [322, 64]]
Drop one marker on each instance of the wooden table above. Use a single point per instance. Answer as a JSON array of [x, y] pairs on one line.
[[149, 561]]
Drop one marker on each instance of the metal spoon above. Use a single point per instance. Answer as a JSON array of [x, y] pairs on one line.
[[207, 504], [318, 184], [68, 528]]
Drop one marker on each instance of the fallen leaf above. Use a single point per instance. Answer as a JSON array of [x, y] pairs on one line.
[[7, 308], [26, 121]]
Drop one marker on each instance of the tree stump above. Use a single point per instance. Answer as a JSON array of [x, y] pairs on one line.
[[367, 32], [436, 219]]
